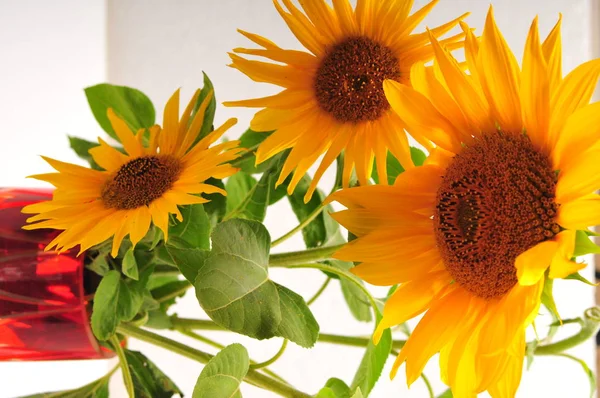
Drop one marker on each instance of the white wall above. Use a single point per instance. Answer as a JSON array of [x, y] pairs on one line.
[[157, 46]]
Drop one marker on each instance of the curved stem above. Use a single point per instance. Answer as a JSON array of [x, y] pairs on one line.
[[304, 256], [319, 292], [272, 359], [353, 341], [175, 293], [300, 226], [335, 271], [127, 379], [253, 376], [589, 328], [220, 346]]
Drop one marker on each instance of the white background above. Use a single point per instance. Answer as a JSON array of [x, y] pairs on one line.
[[50, 51]]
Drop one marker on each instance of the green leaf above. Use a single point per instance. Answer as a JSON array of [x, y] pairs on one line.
[[216, 208], [130, 267], [589, 373], [548, 297], [334, 388], [223, 375], [233, 286], [373, 361], [187, 260], [250, 139], [238, 186], [106, 300], [358, 394], [584, 245], [209, 114], [297, 322], [96, 389], [133, 106], [81, 148], [131, 295], [578, 277], [394, 168], [254, 205], [193, 231], [158, 319], [148, 380], [446, 394], [357, 301], [323, 230], [234, 289], [99, 264]]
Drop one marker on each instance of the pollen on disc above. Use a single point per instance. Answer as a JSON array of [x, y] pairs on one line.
[[496, 201], [349, 82], [140, 181]]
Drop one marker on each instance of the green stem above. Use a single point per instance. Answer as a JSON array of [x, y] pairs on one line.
[[273, 359], [220, 346], [253, 376], [127, 379], [589, 328], [304, 256], [300, 226], [354, 341], [195, 324], [247, 155], [319, 292], [333, 270], [174, 294]]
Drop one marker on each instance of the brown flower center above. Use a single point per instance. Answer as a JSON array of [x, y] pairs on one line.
[[496, 201], [349, 81], [140, 181]]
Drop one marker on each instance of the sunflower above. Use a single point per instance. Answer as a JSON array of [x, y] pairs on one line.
[[138, 188], [333, 95], [470, 235]]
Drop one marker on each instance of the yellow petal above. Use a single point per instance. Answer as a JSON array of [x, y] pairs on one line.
[[472, 104], [126, 136], [581, 132], [108, 157], [532, 264], [535, 99], [416, 111], [580, 213], [423, 80], [579, 178], [574, 92], [561, 265], [389, 272], [500, 76], [411, 299], [439, 325], [170, 132], [552, 48]]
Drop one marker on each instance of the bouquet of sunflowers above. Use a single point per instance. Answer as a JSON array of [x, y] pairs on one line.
[[469, 229]]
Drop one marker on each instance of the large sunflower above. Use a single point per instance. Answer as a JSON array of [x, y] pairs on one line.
[[143, 186], [333, 97], [470, 235]]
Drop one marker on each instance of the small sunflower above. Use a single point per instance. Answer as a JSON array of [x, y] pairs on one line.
[[142, 186], [333, 95], [470, 235]]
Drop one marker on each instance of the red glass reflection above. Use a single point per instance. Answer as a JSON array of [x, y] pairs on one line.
[[43, 305]]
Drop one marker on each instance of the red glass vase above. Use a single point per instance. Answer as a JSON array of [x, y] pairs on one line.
[[44, 304]]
